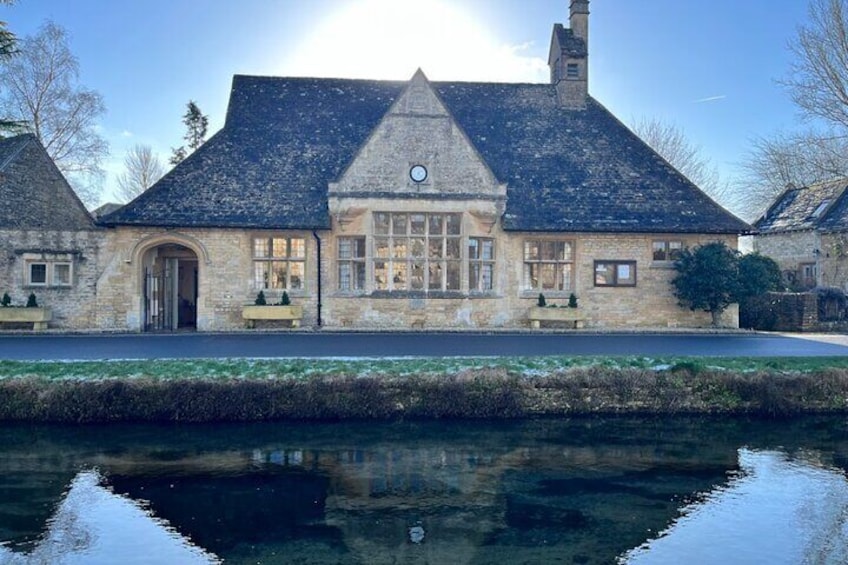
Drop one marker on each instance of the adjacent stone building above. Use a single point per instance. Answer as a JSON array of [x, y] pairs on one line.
[[49, 244], [411, 204], [806, 231]]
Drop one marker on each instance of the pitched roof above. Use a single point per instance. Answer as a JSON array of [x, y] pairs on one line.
[[822, 206], [569, 44], [285, 139], [34, 193]]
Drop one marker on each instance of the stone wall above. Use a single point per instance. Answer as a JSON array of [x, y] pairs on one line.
[[73, 306], [828, 251]]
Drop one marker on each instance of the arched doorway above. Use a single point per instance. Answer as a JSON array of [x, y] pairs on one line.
[[170, 288]]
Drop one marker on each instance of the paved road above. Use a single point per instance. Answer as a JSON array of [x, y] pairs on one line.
[[328, 344]]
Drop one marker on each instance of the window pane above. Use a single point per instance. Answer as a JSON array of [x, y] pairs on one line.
[[454, 224], [435, 246], [38, 273], [344, 276], [453, 248], [567, 251], [296, 274], [549, 251], [381, 247], [399, 248], [603, 274], [297, 248], [488, 250], [453, 277], [381, 223], [359, 247], [62, 274], [417, 223], [359, 276], [261, 247], [659, 251], [674, 250], [399, 276], [279, 269], [435, 276], [474, 276], [531, 250], [345, 248], [436, 224], [399, 224], [381, 277], [487, 277], [531, 275], [417, 247], [566, 276], [626, 274], [279, 247], [416, 278], [261, 275], [473, 248], [548, 276]]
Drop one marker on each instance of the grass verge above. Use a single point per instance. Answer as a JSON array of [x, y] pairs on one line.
[[253, 390]]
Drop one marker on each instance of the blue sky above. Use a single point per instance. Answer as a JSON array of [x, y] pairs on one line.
[[709, 66]]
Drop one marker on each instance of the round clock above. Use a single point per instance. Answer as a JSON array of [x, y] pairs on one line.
[[418, 173]]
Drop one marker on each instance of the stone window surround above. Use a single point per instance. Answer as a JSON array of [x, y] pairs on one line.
[[53, 262], [529, 291], [616, 272], [354, 262], [256, 259], [368, 234]]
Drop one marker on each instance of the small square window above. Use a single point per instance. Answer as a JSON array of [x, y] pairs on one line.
[[61, 274], [615, 273], [38, 273]]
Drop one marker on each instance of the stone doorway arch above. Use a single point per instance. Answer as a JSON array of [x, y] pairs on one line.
[[170, 281]]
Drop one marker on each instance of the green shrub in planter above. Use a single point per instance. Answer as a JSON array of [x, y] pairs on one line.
[[6, 301], [31, 301], [542, 302], [284, 299], [260, 299], [572, 300]]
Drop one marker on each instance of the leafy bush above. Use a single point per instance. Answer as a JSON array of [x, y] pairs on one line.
[[707, 278], [260, 299], [31, 301], [6, 300], [284, 299], [572, 300], [831, 303], [542, 302], [758, 313]]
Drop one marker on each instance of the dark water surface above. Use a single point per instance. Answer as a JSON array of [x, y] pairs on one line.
[[628, 490]]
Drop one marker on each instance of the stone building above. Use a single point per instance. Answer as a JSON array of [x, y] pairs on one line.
[[411, 204], [49, 244], [806, 231]]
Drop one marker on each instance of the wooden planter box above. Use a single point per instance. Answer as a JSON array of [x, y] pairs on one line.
[[37, 316], [252, 313], [539, 314]]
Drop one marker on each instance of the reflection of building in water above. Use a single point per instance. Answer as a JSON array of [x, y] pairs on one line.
[[94, 525]]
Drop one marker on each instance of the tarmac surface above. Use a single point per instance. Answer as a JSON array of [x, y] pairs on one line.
[[314, 344]]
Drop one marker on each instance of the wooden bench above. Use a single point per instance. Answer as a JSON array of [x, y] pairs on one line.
[[37, 316], [539, 314], [252, 313]]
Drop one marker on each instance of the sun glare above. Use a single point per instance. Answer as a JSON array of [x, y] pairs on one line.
[[390, 39]]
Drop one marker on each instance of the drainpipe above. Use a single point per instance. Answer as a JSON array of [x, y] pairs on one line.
[[318, 240]]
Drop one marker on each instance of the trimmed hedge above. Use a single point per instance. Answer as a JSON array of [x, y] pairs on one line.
[[477, 393]]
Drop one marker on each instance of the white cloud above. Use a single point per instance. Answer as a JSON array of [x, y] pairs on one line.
[[710, 99]]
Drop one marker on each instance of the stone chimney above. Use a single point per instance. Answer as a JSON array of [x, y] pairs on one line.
[[569, 57]]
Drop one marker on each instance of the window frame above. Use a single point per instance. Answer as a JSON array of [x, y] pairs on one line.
[[616, 264], [358, 243], [270, 258], [404, 257], [567, 260], [480, 263], [50, 278], [667, 250]]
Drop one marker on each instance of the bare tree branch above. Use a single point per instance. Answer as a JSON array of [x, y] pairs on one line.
[[40, 87], [143, 169]]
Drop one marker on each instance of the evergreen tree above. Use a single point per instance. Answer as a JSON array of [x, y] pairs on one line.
[[196, 124], [758, 274], [707, 278]]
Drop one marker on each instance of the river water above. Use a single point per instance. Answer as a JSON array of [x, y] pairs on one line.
[[599, 490]]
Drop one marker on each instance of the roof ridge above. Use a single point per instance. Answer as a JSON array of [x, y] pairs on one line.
[[26, 139]]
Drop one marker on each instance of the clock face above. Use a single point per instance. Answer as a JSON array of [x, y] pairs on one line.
[[418, 173]]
